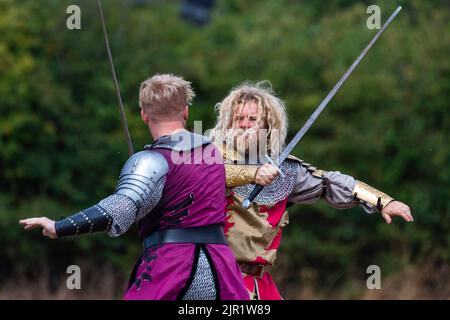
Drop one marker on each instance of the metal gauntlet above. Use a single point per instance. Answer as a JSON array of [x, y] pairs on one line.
[[89, 220], [239, 175], [365, 193]]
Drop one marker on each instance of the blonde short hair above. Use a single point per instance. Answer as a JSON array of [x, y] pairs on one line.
[[164, 96]]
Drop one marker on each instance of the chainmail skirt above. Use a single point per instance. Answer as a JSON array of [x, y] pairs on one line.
[[202, 287]]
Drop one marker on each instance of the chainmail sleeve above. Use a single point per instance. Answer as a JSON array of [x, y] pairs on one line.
[[139, 189]]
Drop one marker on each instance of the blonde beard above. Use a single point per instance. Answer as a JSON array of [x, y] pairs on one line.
[[245, 141]]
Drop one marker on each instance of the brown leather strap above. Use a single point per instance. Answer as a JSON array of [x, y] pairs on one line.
[[256, 270]]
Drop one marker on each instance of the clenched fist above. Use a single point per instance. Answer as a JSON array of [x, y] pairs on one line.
[[266, 174]]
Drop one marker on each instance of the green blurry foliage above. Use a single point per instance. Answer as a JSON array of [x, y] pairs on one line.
[[62, 145]]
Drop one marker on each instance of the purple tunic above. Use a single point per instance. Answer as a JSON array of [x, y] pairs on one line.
[[193, 196]]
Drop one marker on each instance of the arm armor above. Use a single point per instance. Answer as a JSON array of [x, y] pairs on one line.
[[89, 220], [139, 189], [140, 177], [239, 175], [369, 195], [236, 174]]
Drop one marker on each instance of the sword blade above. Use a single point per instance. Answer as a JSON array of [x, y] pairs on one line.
[[299, 135], [123, 117]]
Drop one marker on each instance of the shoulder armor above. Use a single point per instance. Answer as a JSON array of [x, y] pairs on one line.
[[139, 189], [141, 178], [319, 173], [294, 158], [180, 141]]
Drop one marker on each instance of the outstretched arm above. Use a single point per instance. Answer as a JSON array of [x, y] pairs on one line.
[[139, 189], [343, 191]]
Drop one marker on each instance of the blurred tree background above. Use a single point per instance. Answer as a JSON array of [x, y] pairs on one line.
[[62, 145]]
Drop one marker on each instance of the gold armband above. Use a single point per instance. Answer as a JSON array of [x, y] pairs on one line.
[[239, 175], [236, 174], [370, 195]]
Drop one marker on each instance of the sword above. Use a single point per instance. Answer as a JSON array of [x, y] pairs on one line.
[[299, 135], [123, 117]]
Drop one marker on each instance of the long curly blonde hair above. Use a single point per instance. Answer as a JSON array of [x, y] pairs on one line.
[[271, 110]]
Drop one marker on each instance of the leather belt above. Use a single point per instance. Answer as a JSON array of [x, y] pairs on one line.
[[256, 270], [212, 234]]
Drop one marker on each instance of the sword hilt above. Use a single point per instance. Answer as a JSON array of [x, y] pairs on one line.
[[256, 190]]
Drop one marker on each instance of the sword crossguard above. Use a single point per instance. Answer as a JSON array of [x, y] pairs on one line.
[[282, 175]]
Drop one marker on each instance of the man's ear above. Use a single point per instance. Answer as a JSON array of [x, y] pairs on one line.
[[144, 116], [186, 113]]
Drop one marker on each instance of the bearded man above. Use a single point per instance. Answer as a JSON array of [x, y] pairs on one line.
[[250, 131]]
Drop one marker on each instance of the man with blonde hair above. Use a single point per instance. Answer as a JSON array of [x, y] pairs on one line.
[[179, 207], [251, 131]]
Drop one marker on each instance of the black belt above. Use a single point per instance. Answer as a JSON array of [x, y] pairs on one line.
[[212, 234]]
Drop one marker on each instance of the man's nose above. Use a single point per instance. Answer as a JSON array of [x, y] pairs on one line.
[[244, 124]]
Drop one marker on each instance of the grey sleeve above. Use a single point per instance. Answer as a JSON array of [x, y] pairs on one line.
[[336, 188]]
